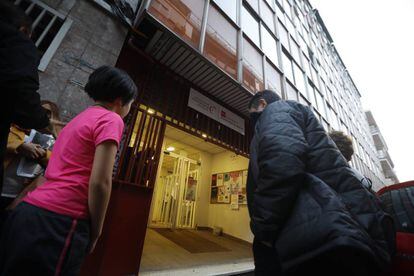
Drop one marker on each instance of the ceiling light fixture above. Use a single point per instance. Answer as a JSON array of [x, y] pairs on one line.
[[170, 149], [151, 111]]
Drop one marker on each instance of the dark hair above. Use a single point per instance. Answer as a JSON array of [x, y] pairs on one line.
[[343, 143], [14, 16], [108, 83], [269, 96]]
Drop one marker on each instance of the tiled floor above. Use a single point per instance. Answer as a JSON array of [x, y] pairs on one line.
[[161, 254]]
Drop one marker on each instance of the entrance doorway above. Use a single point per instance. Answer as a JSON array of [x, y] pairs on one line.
[[174, 202], [184, 211]]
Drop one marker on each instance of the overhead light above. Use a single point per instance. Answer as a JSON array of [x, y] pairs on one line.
[[170, 149], [151, 111], [204, 135]]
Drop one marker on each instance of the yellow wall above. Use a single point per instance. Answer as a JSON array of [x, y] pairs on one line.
[[233, 222]]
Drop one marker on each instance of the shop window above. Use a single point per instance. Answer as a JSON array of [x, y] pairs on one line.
[[287, 66], [221, 42], [250, 26], [269, 45], [182, 17], [229, 7], [49, 28], [267, 16], [273, 78], [252, 67]]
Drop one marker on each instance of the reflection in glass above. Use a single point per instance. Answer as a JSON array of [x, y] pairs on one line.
[[269, 45], [182, 16], [221, 42], [252, 67], [229, 7], [273, 79], [267, 16], [250, 26]]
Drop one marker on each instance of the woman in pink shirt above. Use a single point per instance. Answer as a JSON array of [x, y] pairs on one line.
[[57, 224]]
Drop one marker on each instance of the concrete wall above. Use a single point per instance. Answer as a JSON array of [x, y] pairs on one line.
[[94, 39]]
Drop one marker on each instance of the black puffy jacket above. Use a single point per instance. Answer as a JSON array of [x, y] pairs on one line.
[[303, 196]]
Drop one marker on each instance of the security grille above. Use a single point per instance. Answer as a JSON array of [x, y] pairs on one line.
[[49, 28]]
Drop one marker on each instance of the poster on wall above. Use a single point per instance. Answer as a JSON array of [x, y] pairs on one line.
[[220, 179], [214, 180], [214, 194], [243, 193], [234, 204], [191, 189], [236, 182]]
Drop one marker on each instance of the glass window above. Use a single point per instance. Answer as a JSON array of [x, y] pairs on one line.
[[280, 14], [286, 7], [294, 50], [254, 4], [267, 16], [229, 7], [269, 45], [284, 36], [299, 80], [290, 26], [252, 67], [303, 100], [287, 67], [311, 97], [271, 3], [273, 78], [250, 26], [182, 17], [221, 42], [291, 92]]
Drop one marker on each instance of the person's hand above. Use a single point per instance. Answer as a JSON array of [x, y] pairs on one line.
[[32, 151]]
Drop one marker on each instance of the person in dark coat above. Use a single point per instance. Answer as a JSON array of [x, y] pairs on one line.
[[19, 80], [309, 213]]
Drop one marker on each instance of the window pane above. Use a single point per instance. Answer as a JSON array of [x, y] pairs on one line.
[[273, 79], [290, 26], [280, 14], [319, 101], [267, 16], [287, 67], [182, 17], [269, 45], [291, 92], [221, 42], [252, 67], [229, 7], [250, 26], [294, 50], [254, 4], [299, 80], [284, 37], [303, 100], [270, 2]]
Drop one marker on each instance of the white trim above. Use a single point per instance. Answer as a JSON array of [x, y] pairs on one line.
[[47, 56]]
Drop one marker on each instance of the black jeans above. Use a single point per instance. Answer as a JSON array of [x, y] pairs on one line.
[[35, 241], [266, 260]]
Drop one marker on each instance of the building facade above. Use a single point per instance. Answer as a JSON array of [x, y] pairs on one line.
[[196, 63], [387, 165]]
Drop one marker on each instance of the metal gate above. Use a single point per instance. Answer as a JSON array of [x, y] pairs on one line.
[[176, 194]]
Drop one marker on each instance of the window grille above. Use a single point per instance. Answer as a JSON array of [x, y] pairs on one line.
[[49, 28]]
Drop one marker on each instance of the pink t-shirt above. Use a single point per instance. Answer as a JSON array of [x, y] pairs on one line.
[[67, 175]]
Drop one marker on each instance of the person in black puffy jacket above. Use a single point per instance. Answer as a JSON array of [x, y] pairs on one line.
[[19, 80], [309, 213]]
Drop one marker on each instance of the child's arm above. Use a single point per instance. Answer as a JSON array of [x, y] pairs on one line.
[[100, 185]]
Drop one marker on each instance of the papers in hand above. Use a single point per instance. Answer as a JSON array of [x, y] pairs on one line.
[[30, 168]]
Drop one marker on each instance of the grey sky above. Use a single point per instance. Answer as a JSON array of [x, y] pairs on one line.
[[375, 39]]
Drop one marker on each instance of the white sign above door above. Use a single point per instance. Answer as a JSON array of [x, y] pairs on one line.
[[210, 108]]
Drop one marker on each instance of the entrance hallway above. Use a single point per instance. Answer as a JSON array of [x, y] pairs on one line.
[[220, 255]]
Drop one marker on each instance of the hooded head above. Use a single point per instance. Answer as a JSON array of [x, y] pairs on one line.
[[259, 102]]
